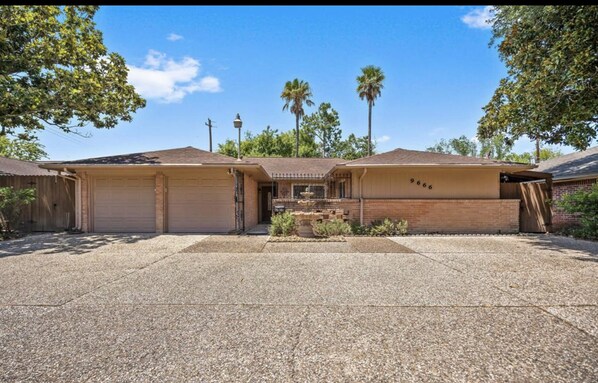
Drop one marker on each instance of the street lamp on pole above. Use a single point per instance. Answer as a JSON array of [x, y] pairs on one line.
[[237, 123]]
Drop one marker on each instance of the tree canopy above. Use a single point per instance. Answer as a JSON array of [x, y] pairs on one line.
[[369, 87], [27, 150], [551, 88], [55, 70], [295, 94], [324, 124], [497, 147]]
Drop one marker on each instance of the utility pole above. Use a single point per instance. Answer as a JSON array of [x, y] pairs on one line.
[[209, 125]]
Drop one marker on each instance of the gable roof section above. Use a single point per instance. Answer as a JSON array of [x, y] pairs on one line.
[[179, 156], [296, 168], [574, 165], [404, 157], [12, 167]]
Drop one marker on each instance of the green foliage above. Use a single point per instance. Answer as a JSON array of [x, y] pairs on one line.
[[325, 125], [546, 153], [353, 148], [359, 229], [498, 148], [271, 143], [283, 224], [12, 202], [551, 88], [369, 87], [584, 203], [55, 70], [20, 149], [334, 227], [388, 227], [462, 146], [294, 94]]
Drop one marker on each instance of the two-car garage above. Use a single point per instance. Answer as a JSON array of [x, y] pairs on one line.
[[199, 201]]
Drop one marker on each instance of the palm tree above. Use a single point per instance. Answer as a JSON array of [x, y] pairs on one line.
[[295, 93], [369, 86]]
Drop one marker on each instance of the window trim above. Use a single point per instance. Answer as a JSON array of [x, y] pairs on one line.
[[306, 184]]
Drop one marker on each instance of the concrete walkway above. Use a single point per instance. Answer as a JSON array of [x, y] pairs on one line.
[[139, 308]]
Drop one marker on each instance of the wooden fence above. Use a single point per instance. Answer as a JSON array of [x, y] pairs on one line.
[[534, 214], [54, 205]]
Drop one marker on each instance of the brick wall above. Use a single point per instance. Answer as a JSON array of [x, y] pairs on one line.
[[560, 219], [448, 215], [431, 215]]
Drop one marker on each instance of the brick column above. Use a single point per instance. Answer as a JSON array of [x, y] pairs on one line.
[[159, 203], [84, 201]]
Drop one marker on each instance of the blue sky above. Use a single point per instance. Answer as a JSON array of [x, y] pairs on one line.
[[192, 63]]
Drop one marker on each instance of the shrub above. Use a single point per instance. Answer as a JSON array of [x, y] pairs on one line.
[[359, 229], [388, 227], [584, 203], [282, 224], [331, 228], [12, 202]]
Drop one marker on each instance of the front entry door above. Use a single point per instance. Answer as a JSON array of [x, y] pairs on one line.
[[266, 203]]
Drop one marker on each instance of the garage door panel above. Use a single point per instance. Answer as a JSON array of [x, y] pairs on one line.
[[124, 204], [201, 204]]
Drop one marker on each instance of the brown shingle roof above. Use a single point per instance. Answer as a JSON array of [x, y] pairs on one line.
[[179, 156], [415, 157], [574, 165], [12, 167], [307, 168]]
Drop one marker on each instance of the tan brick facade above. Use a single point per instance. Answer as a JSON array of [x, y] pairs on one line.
[[561, 219], [486, 216], [160, 203], [482, 216]]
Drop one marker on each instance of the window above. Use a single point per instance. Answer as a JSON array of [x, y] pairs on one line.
[[318, 190], [341, 189]]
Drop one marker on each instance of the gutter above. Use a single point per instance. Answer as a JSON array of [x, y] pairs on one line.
[[365, 171]]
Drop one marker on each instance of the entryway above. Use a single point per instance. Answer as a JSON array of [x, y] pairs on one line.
[[265, 203]]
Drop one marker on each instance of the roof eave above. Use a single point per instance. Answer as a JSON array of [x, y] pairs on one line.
[[501, 166]]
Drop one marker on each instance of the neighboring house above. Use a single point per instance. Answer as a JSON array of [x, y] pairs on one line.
[[54, 205], [191, 190], [571, 172]]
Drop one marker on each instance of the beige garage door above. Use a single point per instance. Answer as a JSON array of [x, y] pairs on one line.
[[203, 203], [124, 204]]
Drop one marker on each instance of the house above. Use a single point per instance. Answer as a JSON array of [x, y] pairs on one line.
[[191, 190], [54, 205], [571, 172]]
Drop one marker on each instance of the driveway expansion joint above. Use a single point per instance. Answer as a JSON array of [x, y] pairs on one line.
[[538, 307]]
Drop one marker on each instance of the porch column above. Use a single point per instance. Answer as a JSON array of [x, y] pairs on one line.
[[85, 201], [160, 203]]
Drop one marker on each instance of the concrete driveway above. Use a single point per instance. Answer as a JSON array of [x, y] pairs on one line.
[[152, 308]]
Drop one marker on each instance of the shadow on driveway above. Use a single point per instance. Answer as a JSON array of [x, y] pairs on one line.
[[74, 244], [564, 245]]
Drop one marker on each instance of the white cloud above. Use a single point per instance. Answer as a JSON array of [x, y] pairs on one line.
[[479, 18], [382, 139], [167, 80], [174, 37]]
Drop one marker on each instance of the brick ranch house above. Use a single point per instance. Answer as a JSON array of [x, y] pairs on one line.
[[571, 172], [191, 190]]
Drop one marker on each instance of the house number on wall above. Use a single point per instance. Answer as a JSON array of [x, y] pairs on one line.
[[424, 185]]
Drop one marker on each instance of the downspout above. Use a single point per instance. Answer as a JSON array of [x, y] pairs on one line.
[[365, 170]]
